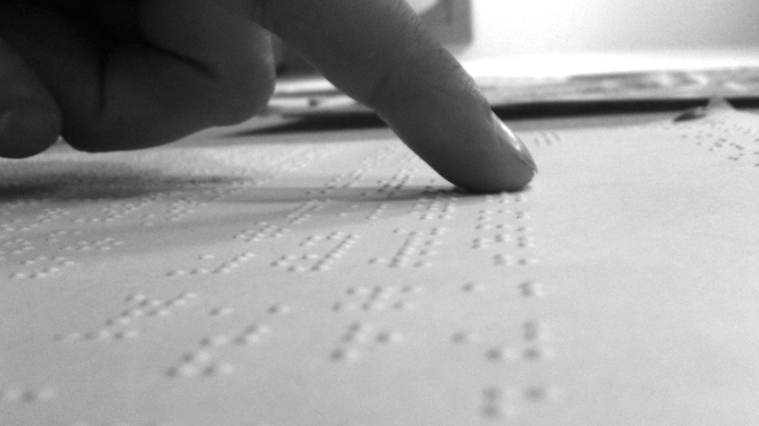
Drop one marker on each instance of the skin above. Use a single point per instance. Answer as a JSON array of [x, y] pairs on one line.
[[131, 74]]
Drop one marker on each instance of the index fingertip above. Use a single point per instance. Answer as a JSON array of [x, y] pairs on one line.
[[504, 165]]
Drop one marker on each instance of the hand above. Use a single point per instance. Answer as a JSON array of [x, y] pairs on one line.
[[129, 74]]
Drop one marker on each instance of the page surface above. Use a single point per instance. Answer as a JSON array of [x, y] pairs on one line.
[[341, 282]]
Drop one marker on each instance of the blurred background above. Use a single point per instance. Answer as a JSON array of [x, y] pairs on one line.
[[484, 29], [517, 27], [535, 52]]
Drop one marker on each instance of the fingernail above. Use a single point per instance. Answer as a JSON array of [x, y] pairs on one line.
[[513, 140]]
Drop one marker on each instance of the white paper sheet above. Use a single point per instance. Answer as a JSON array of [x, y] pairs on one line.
[[342, 283]]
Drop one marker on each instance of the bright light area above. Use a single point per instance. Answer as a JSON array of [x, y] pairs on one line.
[[510, 27]]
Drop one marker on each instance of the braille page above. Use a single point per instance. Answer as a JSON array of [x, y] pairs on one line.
[[270, 282]]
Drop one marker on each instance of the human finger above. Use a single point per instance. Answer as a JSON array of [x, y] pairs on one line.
[[377, 52], [29, 118], [191, 64]]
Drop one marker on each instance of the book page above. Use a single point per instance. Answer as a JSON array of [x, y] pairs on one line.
[[340, 282]]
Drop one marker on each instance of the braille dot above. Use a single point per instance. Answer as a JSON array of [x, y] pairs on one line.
[[343, 354], [536, 394], [359, 326], [536, 354], [160, 312], [260, 328], [104, 335], [491, 411], [404, 306], [221, 311], [533, 330], [119, 321], [278, 309], [177, 302], [186, 370], [137, 297], [472, 287], [498, 354], [133, 313], [388, 337], [29, 396], [339, 307], [503, 260], [214, 341], [531, 289], [461, 337]]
